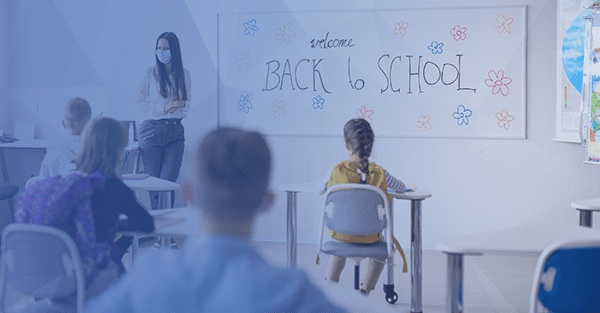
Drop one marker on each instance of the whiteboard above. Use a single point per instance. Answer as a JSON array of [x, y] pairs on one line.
[[447, 72]]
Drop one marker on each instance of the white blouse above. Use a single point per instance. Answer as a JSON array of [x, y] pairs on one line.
[[151, 104]]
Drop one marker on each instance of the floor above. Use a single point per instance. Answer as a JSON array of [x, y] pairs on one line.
[[492, 283]]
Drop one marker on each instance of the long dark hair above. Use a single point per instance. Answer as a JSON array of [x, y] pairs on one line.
[[178, 91], [359, 137]]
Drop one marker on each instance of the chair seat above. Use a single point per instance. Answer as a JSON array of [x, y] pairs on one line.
[[8, 191], [355, 250]]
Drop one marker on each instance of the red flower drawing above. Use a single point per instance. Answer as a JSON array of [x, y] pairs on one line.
[[504, 119], [277, 108], [459, 33], [243, 61], [498, 82], [423, 123], [502, 23], [400, 28], [365, 114], [284, 33]]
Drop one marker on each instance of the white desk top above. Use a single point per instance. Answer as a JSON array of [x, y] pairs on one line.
[[525, 240], [588, 204], [27, 144], [180, 222], [151, 183], [312, 188]]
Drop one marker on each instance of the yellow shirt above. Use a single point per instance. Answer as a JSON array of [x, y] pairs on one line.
[[346, 173]]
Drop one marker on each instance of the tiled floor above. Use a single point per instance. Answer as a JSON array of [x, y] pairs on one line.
[[492, 283]]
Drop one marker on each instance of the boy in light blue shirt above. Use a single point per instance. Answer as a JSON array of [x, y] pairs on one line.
[[219, 271]]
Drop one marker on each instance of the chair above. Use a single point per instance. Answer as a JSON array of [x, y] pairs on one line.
[[357, 209], [41, 262], [7, 191], [567, 278]]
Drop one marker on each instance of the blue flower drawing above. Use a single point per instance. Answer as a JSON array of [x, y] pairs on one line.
[[318, 102], [244, 104], [436, 48], [462, 115], [250, 28]]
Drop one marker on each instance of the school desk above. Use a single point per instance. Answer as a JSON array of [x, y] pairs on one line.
[[586, 207], [151, 183], [523, 240], [168, 223], [415, 197]]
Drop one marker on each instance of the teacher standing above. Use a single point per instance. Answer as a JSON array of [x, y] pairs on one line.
[[164, 100]]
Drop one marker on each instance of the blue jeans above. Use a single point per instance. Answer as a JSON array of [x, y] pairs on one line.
[[161, 147]]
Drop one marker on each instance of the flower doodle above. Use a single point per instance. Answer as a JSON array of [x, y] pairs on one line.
[[244, 104], [250, 28], [502, 23], [459, 33], [318, 102], [364, 113], [284, 33], [498, 82], [243, 61], [504, 119], [423, 123], [435, 47], [400, 28], [277, 108], [462, 115]]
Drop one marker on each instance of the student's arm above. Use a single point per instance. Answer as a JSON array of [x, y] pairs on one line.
[[322, 185], [393, 183], [124, 202]]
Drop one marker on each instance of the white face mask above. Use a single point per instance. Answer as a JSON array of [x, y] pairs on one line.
[[164, 56]]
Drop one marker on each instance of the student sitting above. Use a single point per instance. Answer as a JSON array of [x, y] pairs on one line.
[[359, 138], [88, 203], [219, 271], [77, 113]]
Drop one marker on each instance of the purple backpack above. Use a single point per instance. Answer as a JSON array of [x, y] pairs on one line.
[[66, 203]]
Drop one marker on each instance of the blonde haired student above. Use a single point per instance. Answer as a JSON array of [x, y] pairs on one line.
[[88, 203], [359, 139], [58, 157], [220, 270]]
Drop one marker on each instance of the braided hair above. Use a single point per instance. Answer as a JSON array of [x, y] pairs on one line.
[[359, 137]]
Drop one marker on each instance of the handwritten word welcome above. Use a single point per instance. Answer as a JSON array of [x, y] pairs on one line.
[[331, 43]]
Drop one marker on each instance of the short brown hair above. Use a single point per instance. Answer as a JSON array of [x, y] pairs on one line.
[[77, 113], [233, 172], [102, 144]]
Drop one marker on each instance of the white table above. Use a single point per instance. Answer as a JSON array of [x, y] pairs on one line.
[[586, 207], [151, 183], [416, 197], [168, 223], [523, 240]]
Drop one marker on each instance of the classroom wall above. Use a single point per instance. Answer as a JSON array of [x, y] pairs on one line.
[[99, 51]]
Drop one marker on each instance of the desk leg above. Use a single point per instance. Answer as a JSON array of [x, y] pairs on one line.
[[291, 229], [585, 218], [136, 162], [4, 168], [415, 257], [134, 250], [454, 283], [390, 268]]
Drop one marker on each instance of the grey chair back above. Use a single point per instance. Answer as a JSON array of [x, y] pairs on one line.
[[355, 210], [42, 262]]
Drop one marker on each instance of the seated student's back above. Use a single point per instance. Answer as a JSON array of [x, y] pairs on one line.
[[87, 204], [219, 270]]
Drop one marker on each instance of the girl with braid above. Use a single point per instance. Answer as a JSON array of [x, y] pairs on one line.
[[359, 139]]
